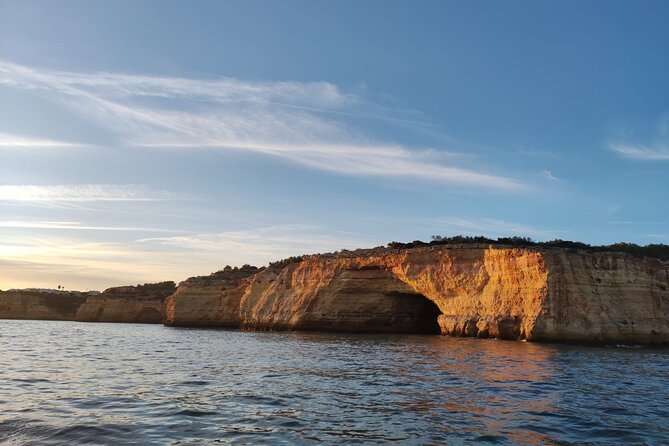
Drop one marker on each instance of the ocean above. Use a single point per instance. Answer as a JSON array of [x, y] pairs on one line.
[[71, 383]]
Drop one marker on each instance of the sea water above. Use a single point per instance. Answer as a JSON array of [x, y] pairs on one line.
[[75, 383]]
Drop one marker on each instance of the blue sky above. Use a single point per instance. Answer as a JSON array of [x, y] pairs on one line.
[[154, 140]]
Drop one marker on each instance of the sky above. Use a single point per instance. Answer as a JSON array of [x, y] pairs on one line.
[[144, 141]]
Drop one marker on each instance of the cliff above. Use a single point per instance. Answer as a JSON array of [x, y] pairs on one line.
[[508, 293], [138, 304], [210, 301], [43, 305], [607, 298], [534, 294]]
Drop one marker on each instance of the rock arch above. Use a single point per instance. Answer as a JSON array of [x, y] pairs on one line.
[[149, 315], [365, 299], [486, 293], [369, 300]]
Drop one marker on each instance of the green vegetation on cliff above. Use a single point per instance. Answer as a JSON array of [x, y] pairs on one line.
[[281, 264], [659, 251]]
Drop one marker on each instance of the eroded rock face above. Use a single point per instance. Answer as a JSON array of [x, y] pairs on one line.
[[508, 293], [479, 292], [136, 304], [355, 299], [602, 297], [209, 301], [22, 304]]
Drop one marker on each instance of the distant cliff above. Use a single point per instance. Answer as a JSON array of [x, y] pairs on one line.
[[41, 304], [139, 304], [503, 292]]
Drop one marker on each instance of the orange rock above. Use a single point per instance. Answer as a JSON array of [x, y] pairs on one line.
[[485, 291]]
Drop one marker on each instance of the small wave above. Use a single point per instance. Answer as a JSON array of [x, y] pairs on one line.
[[196, 413], [31, 380], [194, 383]]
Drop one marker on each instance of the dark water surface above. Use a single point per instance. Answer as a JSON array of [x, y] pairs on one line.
[[74, 383]]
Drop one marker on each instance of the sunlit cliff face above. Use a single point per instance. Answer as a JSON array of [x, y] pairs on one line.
[[507, 293]]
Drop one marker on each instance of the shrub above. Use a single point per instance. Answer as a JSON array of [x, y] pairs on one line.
[[280, 264]]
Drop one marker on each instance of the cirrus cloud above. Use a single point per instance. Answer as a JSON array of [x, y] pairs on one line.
[[19, 141], [640, 152], [297, 121], [82, 193]]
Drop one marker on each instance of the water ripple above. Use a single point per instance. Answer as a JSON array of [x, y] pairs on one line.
[[64, 383]]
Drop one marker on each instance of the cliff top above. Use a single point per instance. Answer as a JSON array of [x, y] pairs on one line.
[[148, 291], [49, 292], [658, 251], [225, 276]]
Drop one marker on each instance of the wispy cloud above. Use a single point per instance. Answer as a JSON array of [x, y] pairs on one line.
[[77, 264], [261, 245], [296, 121], [660, 237], [655, 146], [20, 141], [491, 227], [549, 175], [50, 260], [641, 152], [82, 193], [636, 222], [78, 226]]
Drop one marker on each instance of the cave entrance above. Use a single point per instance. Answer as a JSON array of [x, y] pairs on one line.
[[413, 313], [149, 315], [370, 300]]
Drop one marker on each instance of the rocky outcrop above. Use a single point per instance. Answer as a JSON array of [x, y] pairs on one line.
[[41, 305], [210, 301], [509, 293], [136, 304]]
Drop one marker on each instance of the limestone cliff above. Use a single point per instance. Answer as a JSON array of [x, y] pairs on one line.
[[139, 304], [42, 305], [509, 293], [485, 292], [606, 298], [211, 301], [336, 296]]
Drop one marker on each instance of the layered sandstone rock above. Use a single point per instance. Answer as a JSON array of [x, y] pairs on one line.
[[209, 301], [318, 295], [41, 305], [137, 304], [604, 297], [477, 291], [508, 293], [460, 290]]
